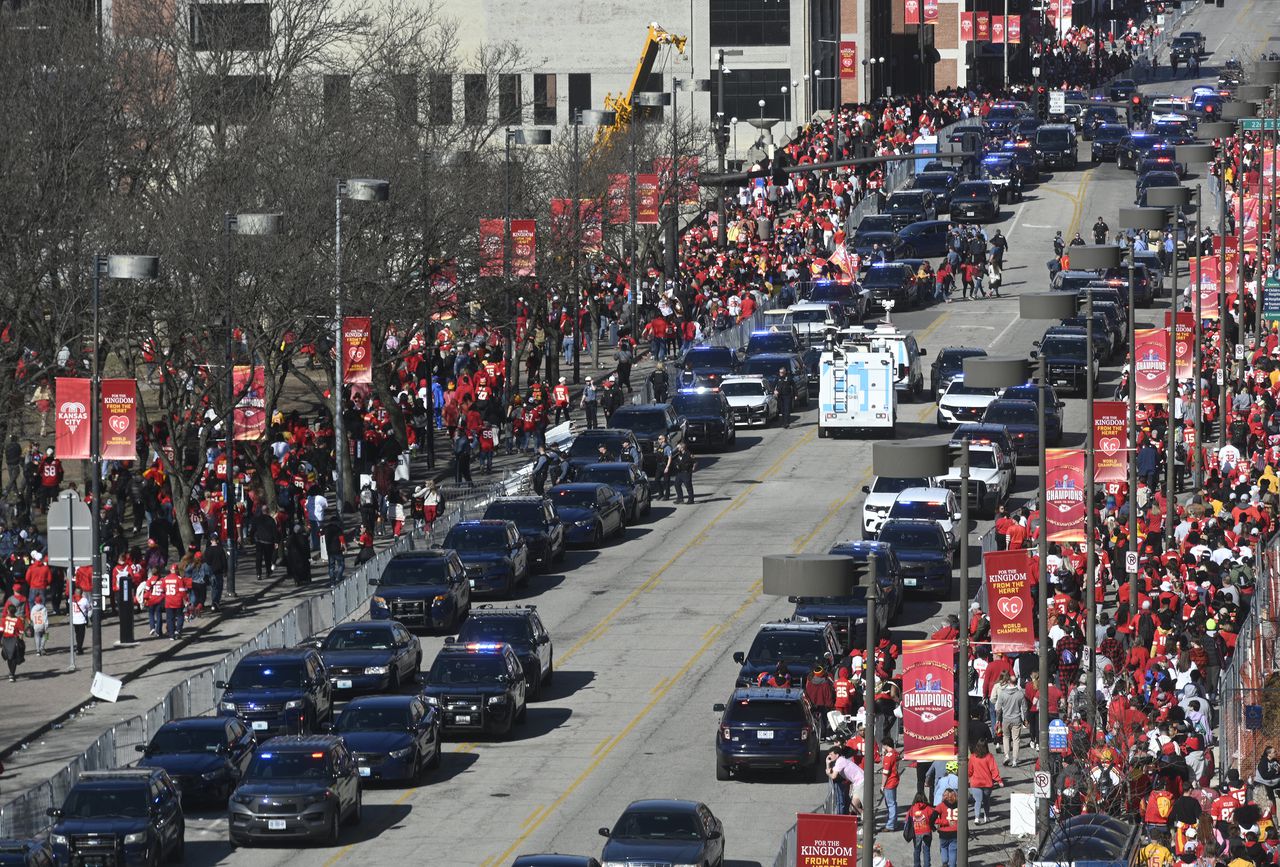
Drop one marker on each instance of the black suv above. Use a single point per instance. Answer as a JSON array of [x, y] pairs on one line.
[[1106, 141], [941, 184], [976, 201], [767, 728], [521, 627], [708, 417], [710, 364], [278, 691], [770, 341], [205, 756], [538, 524], [1066, 355], [892, 281], [586, 445], [768, 365], [1056, 147], [648, 421], [478, 688], [26, 853], [800, 645], [296, 789], [427, 589], [120, 818], [911, 206], [948, 364]]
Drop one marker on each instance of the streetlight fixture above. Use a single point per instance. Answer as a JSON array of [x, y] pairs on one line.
[[513, 136], [110, 267], [1215, 131], [761, 104], [1237, 111], [1267, 73], [1188, 155], [591, 118], [722, 142], [647, 100], [249, 225]]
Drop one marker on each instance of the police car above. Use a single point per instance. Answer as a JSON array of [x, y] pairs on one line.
[[880, 495], [479, 688], [931, 504], [750, 399]]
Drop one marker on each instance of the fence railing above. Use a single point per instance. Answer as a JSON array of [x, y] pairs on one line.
[[26, 815]]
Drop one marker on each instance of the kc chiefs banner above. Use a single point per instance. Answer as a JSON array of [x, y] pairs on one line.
[[912, 14], [71, 402], [491, 247], [982, 27], [826, 840], [1064, 495], [1204, 274], [618, 202], [848, 59], [997, 28], [928, 700], [119, 419], [647, 198], [357, 350], [1183, 344], [966, 26], [930, 11], [1110, 435], [1152, 367], [250, 417], [524, 248], [1013, 29], [1008, 580]]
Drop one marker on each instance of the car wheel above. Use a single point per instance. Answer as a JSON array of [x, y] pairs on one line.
[[551, 671], [722, 771], [823, 433], [597, 538], [524, 713], [394, 687], [357, 815], [941, 421], [335, 827], [559, 556], [434, 761], [179, 853]]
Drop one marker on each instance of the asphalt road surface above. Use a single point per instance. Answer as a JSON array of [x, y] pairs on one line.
[[644, 629]]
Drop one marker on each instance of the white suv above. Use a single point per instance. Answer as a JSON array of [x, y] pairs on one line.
[[961, 403], [881, 494]]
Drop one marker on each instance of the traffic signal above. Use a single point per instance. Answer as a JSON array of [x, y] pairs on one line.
[[1042, 103]]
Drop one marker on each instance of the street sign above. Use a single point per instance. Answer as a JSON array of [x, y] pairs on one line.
[[1255, 124], [1131, 562], [1219, 375], [70, 539], [1057, 102], [1253, 717], [1057, 735], [1239, 352], [1271, 300], [1040, 784]]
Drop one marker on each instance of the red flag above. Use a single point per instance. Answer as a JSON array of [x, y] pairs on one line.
[[647, 198], [524, 250], [982, 27], [1183, 344], [826, 840], [1008, 579], [250, 416], [912, 14], [1152, 367], [71, 432], [119, 419], [848, 59], [1064, 504], [928, 700], [1013, 29], [997, 28], [357, 350], [1110, 440], [618, 207], [930, 11], [966, 26], [491, 247], [1204, 273]]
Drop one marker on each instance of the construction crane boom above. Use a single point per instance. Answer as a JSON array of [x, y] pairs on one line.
[[621, 104]]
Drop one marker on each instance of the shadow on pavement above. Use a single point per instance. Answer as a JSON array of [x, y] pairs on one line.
[[566, 683], [451, 765]]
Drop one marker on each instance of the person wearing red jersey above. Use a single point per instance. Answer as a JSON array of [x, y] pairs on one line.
[[175, 592]]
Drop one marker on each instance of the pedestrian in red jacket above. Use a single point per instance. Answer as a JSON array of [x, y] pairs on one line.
[[984, 775]]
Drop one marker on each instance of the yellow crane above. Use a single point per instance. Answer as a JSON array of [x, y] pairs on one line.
[[621, 104]]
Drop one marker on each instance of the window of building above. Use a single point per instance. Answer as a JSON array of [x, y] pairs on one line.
[[441, 97], [579, 92], [750, 22], [337, 98], [544, 99], [404, 95], [227, 99], [475, 99], [744, 88], [509, 108], [230, 26]]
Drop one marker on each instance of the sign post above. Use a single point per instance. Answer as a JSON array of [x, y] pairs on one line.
[[70, 544], [1057, 102]]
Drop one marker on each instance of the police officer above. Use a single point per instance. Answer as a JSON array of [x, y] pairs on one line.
[[785, 390], [664, 454], [682, 468], [1100, 230], [541, 466], [591, 404], [659, 383]]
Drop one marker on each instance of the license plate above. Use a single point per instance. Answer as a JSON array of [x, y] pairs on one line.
[[473, 582], [908, 582], [764, 735], [259, 725], [364, 772], [463, 720], [275, 824], [343, 684]]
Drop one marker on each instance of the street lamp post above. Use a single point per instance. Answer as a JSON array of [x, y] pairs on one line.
[[1188, 155], [647, 100], [722, 141], [1237, 111], [358, 190], [1217, 131], [588, 118], [112, 268], [511, 360], [232, 225], [689, 85]]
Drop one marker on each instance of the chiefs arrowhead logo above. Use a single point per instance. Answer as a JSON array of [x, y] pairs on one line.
[[1109, 445], [118, 423], [1010, 606], [73, 414]]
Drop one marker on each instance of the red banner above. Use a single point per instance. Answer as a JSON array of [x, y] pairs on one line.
[[648, 195], [688, 177], [982, 27], [524, 248], [1184, 346], [826, 840], [1110, 440], [250, 417], [966, 26], [848, 59], [119, 419], [1008, 578], [491, 247], [1205, 275], [997, 28], [592, 226], [71, 402], [618, 201], [912, 14], [357, 350], [928, 700], [1152, 367], [1064, 504], [930, 11], [1013, 29]]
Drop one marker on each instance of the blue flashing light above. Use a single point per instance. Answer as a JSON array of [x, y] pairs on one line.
[[266, 755], [484, 647]]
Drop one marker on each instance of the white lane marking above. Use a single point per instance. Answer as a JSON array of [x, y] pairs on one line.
[[1038, 226], [1001, 335]]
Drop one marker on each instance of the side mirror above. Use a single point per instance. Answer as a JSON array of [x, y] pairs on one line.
[[544, 639], [54, 812], [793, 599], [866, 489], [140, 748], [714, 835], [739, 657], [603, 832], [1035, 353], [718, 707], [221, 684], [923, 351], [374, 582]]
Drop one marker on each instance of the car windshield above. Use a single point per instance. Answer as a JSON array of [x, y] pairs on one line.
[[1008, 413], [764, 366], [605, 475], [1022, 392], [905, 203], [273, 765], [186, 740], [472, 668], [477, 537], [653, 825], [775, 644], [857, 597], [373, 718], [403, 571], [269, 675], [896, 484], [495, 630], [952, 361], [960, 388], [91, 802], [932, 181], [1056, 137], [641, 421], [932, 510], [875, 223], [830, 292], [910, 535], [982, 460], [573, 497], [885, 276], [743, 389], [769, 343], [1109, 133], [1003, 112], [1104, 113], [520, 513], [711, 357], [973, 190], [588, 447], [358, 638], [1067, 347], [696, 403], [812, 315], [758, 710]]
